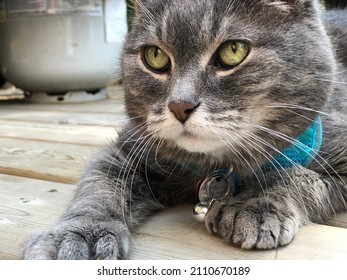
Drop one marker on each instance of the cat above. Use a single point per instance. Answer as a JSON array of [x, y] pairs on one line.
[[226, 84]]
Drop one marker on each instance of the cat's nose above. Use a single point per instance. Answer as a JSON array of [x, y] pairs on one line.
[[183, 110]]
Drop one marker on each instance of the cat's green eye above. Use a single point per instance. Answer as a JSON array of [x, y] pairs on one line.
[[156, 59], [232, 53]]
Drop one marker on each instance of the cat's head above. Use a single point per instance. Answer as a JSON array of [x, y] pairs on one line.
[[222, 77]]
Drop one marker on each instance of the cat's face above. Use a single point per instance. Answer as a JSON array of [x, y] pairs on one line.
[[211, 76]]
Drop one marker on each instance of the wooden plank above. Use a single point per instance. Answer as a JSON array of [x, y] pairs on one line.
[[27, 206], [48, 161], [107, 106], [26, 115], [59, 133]]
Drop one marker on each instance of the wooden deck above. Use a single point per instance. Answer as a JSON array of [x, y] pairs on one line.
[[43, 148]]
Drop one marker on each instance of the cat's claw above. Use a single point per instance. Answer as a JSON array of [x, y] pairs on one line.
[[256, 224], [79, 240]]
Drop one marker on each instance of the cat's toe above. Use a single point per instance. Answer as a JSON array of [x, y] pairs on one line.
[[212, 218], [112, 244], [256, 230], [73, 247], [220, 219], [41, 246]]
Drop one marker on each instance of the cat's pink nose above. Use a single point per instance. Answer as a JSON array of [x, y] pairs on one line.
[[182, 110]]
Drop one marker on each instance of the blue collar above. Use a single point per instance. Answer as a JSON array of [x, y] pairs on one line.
[[303, 150]]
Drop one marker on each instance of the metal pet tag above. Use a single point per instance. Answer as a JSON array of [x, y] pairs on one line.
[[215, 186]]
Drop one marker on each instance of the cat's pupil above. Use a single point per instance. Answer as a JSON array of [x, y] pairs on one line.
[[156, 52], [233, 47]]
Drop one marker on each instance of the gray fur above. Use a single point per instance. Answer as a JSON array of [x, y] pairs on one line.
[[290, 76]]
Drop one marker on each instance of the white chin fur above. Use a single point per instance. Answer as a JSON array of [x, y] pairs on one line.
[[196, 145]]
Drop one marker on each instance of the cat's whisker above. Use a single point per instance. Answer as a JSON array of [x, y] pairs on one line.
[[154, 142], [146, 149], [141, 128], [147, 13], [301, 115], [291, 141], [138, 141], [295, 106], [128, 167], [241, 157], [135, 131], [335, 82], [302, 108], [332, 74], [111, 162], [271, 159], [156, 153], [263, 152], [172, 166], [274, 162]]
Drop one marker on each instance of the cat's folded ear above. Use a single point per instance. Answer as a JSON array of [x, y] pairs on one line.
[[139, 5], [290, 6], [291, 2], [135, 5]]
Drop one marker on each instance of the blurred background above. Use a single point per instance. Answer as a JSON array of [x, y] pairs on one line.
[[61, 48]]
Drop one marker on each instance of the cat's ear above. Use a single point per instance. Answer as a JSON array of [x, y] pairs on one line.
[[139, 5], [297, 3], [135, 7], [291, 2], [288, 7]]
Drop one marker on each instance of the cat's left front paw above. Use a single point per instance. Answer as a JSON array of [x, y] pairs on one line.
[[254, 224]]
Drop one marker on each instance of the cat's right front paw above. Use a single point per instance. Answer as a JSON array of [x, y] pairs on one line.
[[78, 240], [258, 223]]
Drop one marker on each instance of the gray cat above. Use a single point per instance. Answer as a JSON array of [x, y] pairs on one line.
[[248, 88]]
